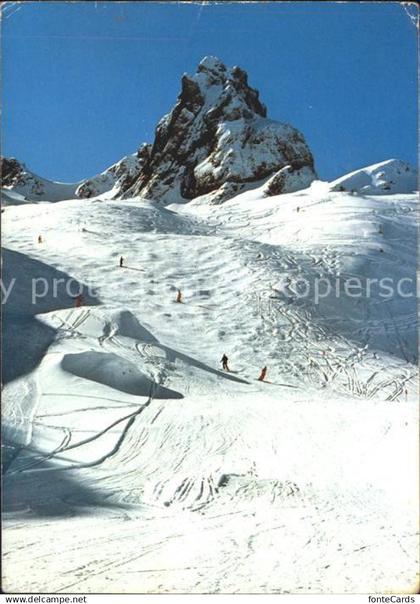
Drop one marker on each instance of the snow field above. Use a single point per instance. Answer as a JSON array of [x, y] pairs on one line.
[[141, 467]]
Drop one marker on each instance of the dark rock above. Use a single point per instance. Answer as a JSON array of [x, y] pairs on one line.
[[11, 171]]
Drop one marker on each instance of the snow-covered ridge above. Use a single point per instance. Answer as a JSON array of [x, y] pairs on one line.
[[385, 178], [114, 179], [21, 185]]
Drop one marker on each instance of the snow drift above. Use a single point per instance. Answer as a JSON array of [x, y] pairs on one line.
[[386, 178]]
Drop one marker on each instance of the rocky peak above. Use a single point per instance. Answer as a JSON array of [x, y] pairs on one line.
[[217, 140], [219, 86], [16, 176], [11, 171]]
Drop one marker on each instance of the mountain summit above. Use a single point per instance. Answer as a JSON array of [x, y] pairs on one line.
[[216, 141]]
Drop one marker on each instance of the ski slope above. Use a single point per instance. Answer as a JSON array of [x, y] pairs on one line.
[[134, 464]]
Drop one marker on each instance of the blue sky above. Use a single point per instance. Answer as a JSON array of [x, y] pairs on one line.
[[85, 83]]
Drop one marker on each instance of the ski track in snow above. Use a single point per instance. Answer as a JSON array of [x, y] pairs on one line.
[[139, 466]]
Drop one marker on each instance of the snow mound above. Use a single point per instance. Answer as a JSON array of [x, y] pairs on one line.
[[385, 178], [125, 324], [114, 371]]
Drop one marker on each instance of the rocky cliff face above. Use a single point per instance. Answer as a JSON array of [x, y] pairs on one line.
[[13, 173], [15, 176], [217, 140]]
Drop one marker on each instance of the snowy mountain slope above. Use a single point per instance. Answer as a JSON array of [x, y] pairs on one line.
[[317, 235], [20, 185], [130, 446], [388, 177], [115, 179]]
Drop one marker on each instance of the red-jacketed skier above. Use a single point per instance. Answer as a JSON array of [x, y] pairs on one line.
[[262, 374], [79, 301]]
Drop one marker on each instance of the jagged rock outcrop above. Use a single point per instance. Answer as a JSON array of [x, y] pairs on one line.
[[217, 140], [289, 180], [16, 176], [11, 171], [118, 178]]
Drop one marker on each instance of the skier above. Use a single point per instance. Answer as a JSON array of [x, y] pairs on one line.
[[179, 296], [39, 239], [298, 209], [121, 261], [224, 360], [79, 301], [262, 374]]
